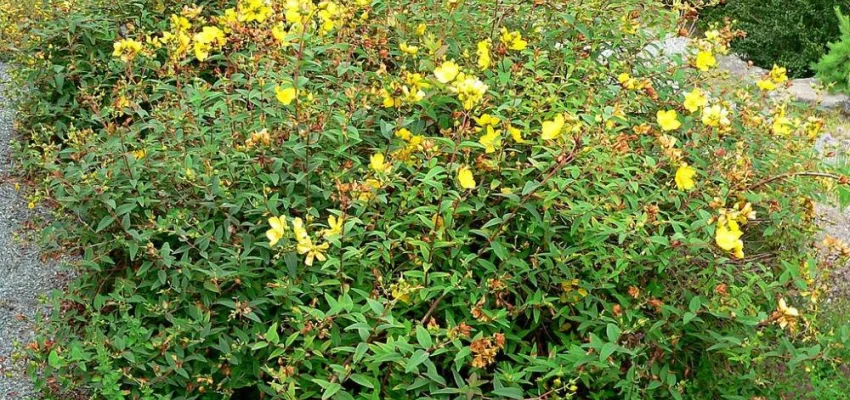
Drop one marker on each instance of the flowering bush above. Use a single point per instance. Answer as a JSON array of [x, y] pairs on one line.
[[373, 199]]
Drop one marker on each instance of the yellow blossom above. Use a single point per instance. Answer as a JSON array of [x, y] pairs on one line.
[[728, 237], [778, 74], [420, 29], [279, 34], [787, 316], [335, 225], [470, 91], [465, 178], [705, 60], [409, 50], [715, 116], [126, 49], [668, 120], [278, 229], [140, 154], [254, 10], [627, 81], [695, 100], [403, 134], [782, 126], [685, 177], [766, 85], [447, 72], [299, 230], [516, 134], [491, 140], [513, 40], [484, 54], [553, 129], [209, 38], [312, 251], [179, 24], [286, 95], [376, 162]]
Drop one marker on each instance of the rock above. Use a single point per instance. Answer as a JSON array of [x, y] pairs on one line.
[[809, 90], [738, 67]]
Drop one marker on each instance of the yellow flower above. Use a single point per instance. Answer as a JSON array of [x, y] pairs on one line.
[[285, 96], [627, 81], [279, 34], [470, 91], [715, 116], [299, 230], [813, 126], [516, 134], [126, 49], [778, 74], [210, 34], [628, 25], [685, 177], [668, 120], [254, 10], [705, 61], [513, 40], [484, 54], [781, 126], [787, 316], [490, 140], [312, 251], [552, 129], [420, 29], [335, 226], [789, 311], [766, 85], [179, 24], [728, 237], [447, 72], [465, 178], [695, 100], [409, 50], [278, 229], [404, 134], [487, 120], [140, 154], [376, 162]]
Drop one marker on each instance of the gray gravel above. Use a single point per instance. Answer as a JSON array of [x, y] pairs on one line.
[[24, 279]]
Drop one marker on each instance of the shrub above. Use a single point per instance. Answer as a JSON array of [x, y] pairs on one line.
[[834, 67], [419, 200], [790, 33]]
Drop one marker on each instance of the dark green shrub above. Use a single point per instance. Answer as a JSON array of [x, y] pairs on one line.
[[790, 33], [834, 67]]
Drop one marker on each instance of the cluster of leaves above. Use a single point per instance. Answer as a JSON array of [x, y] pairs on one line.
[[791, 33], [406, 199], [834, 68]]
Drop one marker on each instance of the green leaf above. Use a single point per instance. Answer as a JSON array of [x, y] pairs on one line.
[[418, 357], [272, 335], [423, 337], [104, 223], [613, 332], [54, 360], [509, 392], [331, 390], [606, 351], [362, 380]]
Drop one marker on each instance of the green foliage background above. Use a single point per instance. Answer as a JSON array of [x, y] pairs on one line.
[[834, 67], [790, 33]]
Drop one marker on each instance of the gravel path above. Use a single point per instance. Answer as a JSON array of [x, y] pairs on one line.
[[24, 279]]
